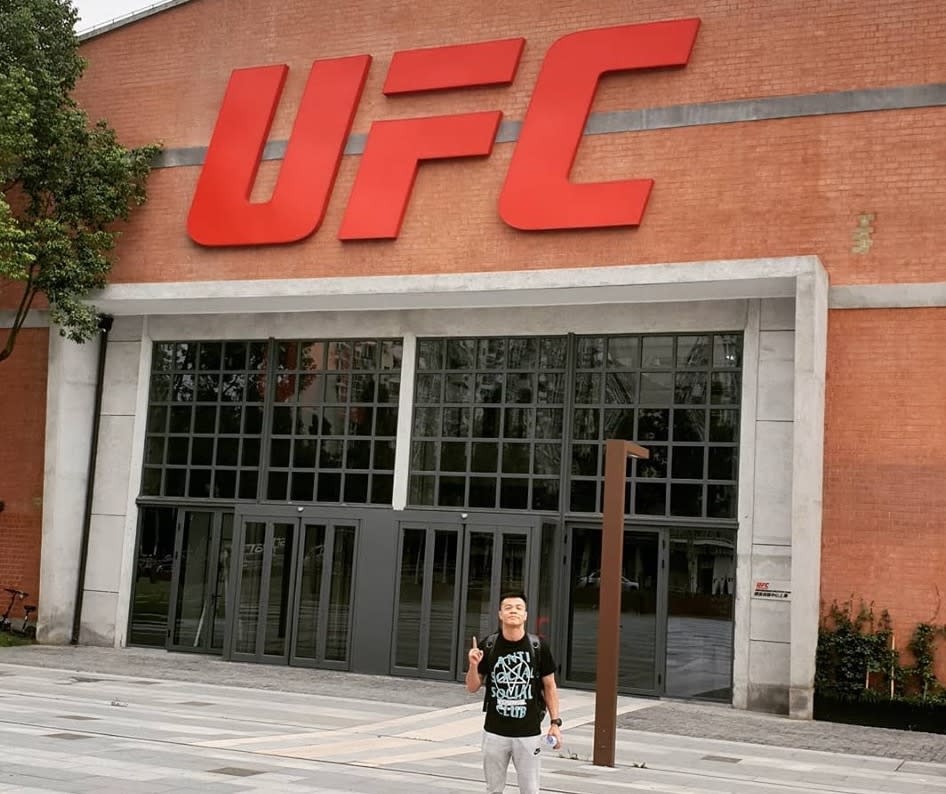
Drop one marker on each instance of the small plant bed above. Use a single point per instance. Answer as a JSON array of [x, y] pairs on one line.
[[899, 713], [860, 678], [9, 640]]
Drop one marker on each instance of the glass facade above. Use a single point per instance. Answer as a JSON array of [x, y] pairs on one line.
[[488, 423], [317, 417], [240, 436], [501, 423], [334, 421]]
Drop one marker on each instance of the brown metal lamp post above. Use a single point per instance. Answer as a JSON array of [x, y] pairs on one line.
[[609, 596]]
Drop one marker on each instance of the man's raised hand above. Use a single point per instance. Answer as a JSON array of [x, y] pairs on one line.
[[474, 655]]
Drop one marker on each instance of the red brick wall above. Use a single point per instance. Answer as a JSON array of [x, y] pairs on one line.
[[23, 408], [884, 533], [770, 188]]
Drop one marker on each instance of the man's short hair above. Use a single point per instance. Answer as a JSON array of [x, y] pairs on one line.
[[514, 594]]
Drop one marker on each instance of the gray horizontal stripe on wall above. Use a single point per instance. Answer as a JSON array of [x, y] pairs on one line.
[[888, 296], [37, 318], [698, 115]]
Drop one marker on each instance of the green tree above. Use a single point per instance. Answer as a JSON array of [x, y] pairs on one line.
[[63, 181]]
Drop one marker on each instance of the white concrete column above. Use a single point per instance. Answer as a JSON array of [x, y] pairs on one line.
[[811, 332], [70, 402], [136, 332], [405, 418]]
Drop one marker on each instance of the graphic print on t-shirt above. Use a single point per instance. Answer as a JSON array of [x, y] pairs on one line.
[[511, 682]]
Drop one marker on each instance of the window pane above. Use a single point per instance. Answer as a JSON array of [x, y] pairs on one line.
[[484, 457], [482, 492], [657, 351], [650, 499], [514, 494], [461, 353], [726, 388], [723, 463], [687, 463], [624, 352], [451, 491], [515, 458], [693, 351], [548, 459], [656, 387], [727, 351], [689, 388], [429, 354], [686, 500], [590, 352]]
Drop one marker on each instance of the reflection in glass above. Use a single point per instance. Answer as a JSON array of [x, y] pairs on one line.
[[410, 598], [479, 619], [637, 667], [339, 604], [442, 601], [513, 571], [702, 591], [310, 590], [221, 582], [192, 583], [151, 595], [251, 579], [277, 602]]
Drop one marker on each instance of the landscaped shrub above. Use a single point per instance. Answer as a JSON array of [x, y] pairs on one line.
[[860, 678]]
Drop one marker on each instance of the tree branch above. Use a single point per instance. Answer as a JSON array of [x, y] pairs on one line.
[[29, 293]]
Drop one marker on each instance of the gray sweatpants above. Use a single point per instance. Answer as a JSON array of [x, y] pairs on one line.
[[526, 755]]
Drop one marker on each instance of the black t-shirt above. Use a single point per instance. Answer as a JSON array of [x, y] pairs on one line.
[[511, 708]]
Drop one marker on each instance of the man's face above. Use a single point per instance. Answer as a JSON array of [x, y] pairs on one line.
[[512, 612]]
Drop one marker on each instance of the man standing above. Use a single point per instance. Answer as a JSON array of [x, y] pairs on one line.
[[509, 667]]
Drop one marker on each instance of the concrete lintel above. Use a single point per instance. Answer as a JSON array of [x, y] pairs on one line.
[[716, 280]]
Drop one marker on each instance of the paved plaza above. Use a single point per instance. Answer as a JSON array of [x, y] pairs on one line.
[[125, 721]]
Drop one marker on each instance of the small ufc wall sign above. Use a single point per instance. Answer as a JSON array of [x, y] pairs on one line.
[[537, 194]]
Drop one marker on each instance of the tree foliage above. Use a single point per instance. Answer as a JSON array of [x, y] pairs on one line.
[[64, 182]]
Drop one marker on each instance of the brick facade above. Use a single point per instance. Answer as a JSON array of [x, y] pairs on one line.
[[884, 501], [23, 406]]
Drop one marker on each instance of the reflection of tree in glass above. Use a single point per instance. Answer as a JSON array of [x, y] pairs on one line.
[[690, 385]]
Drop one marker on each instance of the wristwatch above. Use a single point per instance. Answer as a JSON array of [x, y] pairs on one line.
[[556, 721]]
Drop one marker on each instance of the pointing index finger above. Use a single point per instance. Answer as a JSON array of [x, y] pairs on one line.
[[474, 641]]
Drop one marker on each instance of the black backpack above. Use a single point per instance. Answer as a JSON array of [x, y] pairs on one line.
[[538, 690]]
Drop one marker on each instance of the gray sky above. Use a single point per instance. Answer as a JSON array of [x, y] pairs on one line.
[[95, 12]]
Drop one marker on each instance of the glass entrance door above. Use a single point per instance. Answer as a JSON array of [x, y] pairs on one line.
[[293, 582], [496, 559], [322, 606], [643, 609], [427, 601], [450, 577], [263, 583], [201, 568]]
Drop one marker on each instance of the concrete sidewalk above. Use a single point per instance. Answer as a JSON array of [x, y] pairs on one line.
[[109, 721], [698, 720]]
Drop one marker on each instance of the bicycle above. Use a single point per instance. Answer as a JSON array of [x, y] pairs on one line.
[[25, 626]]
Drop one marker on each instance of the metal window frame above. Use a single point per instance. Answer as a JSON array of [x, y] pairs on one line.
[[175, 364], [572, 371]]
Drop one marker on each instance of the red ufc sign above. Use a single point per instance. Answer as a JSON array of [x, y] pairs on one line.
[[537, 194]]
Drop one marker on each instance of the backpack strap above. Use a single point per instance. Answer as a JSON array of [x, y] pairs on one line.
[[538, 690]]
